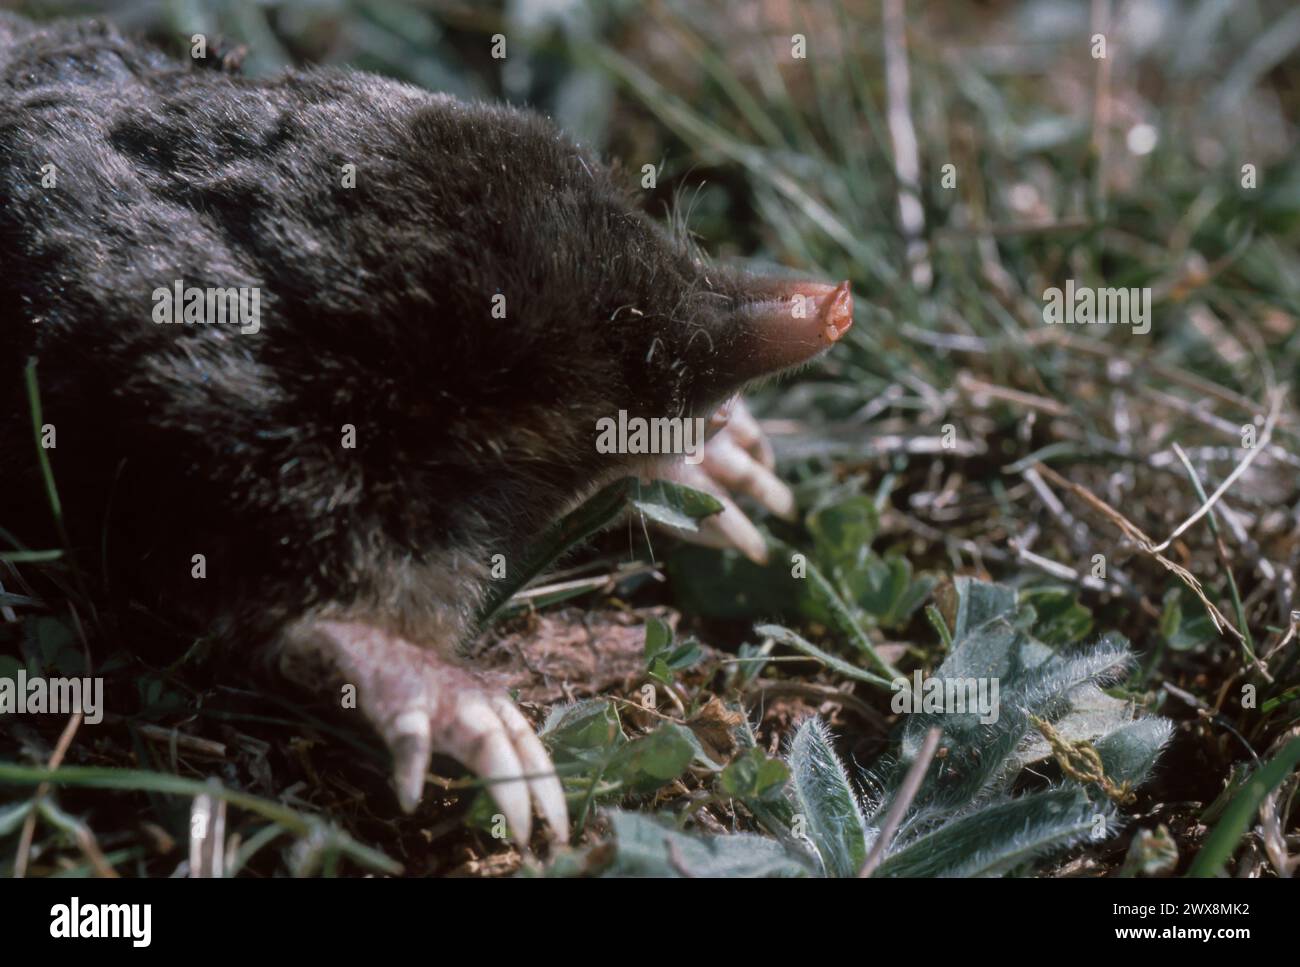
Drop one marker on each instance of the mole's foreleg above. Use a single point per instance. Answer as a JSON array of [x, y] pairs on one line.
[[420, 702]]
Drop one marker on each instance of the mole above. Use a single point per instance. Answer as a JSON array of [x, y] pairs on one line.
[[450, 299]]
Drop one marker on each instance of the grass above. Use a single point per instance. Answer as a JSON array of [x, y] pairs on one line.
[[952, 435]]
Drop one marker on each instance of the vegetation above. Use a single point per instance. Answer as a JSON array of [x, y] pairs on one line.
[[1101, 519]]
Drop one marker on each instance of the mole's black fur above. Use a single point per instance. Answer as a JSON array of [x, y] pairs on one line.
[[472, 432]]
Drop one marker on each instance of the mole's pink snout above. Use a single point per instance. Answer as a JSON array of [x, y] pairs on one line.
[[792, 323], [833, 305]]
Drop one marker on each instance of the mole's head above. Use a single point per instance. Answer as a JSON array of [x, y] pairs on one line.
[[580, 303]]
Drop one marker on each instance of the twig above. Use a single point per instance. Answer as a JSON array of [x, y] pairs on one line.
[[1120, 585], [1284, 639], [1247, 643], [1127, 375], [1218, 424], [1073, 529], [29, 824], [1135, 534], [906, 793], [979, 391], [1190, 699], [1264, 438], [191, 743], [902, 135]]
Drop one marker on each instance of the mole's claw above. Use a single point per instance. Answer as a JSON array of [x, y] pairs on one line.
[[730, 528], [737, 530], [420, 702], [736, 459], [544, 785], [411, 745], [480, 739], [746, 432], [737, 470]]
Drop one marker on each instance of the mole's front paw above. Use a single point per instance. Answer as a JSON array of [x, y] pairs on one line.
[[421, 702], [737, 459]]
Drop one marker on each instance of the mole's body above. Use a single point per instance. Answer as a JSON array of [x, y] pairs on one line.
[[350, 454]]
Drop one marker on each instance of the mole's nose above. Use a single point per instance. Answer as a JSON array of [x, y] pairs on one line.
[[804, 309], [833, 305], [790, 324]]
